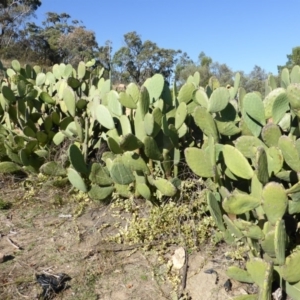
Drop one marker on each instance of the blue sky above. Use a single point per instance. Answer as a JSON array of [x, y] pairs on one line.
[[240, 33]]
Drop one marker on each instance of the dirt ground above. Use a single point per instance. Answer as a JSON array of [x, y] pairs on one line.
[[39, 235]]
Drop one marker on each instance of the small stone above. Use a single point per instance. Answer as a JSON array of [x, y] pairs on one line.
[[178, 258], [2, 257]]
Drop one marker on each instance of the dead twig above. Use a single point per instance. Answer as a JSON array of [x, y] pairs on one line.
[[14, 244]]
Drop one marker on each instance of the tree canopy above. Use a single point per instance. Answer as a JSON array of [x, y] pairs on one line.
[[138, 60], [12, 14]]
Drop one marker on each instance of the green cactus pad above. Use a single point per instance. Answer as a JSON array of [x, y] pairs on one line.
[[53, 168], [232, 228], [151, 149], [76, 180], [100, 193], [274, 201], [218, 100], [9, 167], [149, 124], [295, 74], [120, 173], [285, 78], [130, 142], [236, 162], [240, 203], [139, 127], [270, 99], [144, 101], [181, 113], [249, 229], [280, 241], [123, 190], [127, 101], [247, 145], [290, 271], [271, 134], [144, 190], [227, 128], [280, 106], [293, 290], [104, 117], [215, 210], [200, 97], [155, 86], [261, 165], [239, 274], [44, 96], [8, 94], [253, 106], [114, 146], [69, 100], [290, 152], [186, 93], [77, 160], [125, 124], [199, 162], [157, 116], [165, 187], [135, 162], [275, 160], [133, 90], [265, 292], [293, 92], [58, 138], [99, 175], [267, 243], [293, 207], [257, 268], [113, 104], [81, 69], [205, 122]]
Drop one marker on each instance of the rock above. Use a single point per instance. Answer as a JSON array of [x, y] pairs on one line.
[[178, 258]]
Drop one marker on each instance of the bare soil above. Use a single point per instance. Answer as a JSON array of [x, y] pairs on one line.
[[41, 235]]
